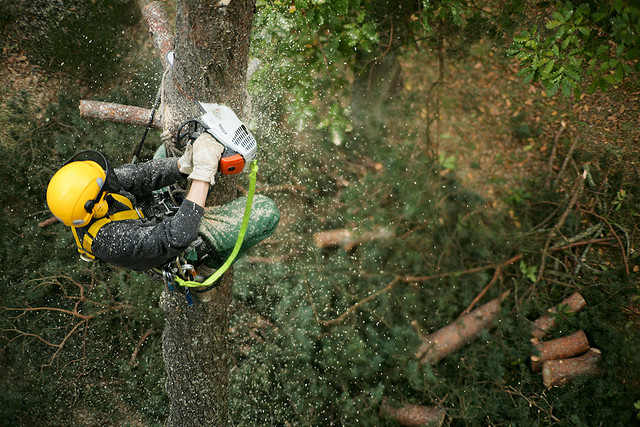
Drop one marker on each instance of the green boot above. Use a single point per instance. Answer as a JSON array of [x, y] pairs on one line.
[[220, 228]]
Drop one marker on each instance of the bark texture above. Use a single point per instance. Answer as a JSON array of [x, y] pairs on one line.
[[211, 56], [560, 348], [454, 336], [125, 114], [412, 415], [545, 323], [563, 371]]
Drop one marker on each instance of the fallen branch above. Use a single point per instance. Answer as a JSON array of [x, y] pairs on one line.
[[118, 113], [495, 277], [409, 414], [348, 239], [552, 157], [573, 304], [563, 371], [143, 338], [47, 222], [456, 335], [560, 348]]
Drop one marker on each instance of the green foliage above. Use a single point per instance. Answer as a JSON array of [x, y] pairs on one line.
[[594, 40], [317, 49]]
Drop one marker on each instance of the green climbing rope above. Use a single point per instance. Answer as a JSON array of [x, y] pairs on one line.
[[243, 229]]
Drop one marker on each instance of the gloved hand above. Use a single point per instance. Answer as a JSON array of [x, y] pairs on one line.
[[185, 163], [206, 156]]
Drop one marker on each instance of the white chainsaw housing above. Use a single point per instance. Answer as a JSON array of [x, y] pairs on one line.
[[224, 125]]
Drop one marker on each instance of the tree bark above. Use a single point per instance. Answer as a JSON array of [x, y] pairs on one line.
[[545, 323], [563, 371], [211, 55], [454, 336], [118, 113], [412, 415], [560, 348]]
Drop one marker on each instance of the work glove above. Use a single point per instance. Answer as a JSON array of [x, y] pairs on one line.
[[185, 163], [206, 156]]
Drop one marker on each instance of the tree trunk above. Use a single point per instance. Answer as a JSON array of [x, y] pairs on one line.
[[560, 348], [211, 55], [563, 371]]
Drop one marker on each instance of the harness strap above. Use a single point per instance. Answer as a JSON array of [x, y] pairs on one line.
[[210, 282], [87, 241]]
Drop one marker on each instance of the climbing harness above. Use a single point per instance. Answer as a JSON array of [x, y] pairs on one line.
[[84, 247]]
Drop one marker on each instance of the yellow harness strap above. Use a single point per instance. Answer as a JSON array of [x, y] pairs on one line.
[[87, 241]]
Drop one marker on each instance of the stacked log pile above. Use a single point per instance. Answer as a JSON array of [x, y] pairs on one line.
[[565, 358]]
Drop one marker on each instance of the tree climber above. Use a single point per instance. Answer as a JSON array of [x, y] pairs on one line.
[[130, 217]]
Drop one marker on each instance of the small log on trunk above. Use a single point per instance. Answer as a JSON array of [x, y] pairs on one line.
[[118, 113], [563, 371], [463, 330], [158, 24], [560, 348], [412, 415], [543, 324], [348, 239]]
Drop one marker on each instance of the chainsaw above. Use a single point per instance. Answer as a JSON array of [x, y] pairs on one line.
[[222, 123]]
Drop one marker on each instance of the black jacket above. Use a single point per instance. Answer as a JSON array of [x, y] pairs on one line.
[[141, 244]]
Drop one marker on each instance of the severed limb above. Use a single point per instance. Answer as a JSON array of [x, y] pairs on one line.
[[119, 113], [348, 239], [560, 348], [563, 371], [457, 334], [409, 414], [574, 303]]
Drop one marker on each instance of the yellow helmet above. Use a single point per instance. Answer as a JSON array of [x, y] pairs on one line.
[[76, 192]]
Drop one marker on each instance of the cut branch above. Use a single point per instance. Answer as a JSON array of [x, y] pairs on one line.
[[563, 371], [125, 114], [560, 348], [348, 239], [412, 415], [454, 336], [573, 304], [159, 28]]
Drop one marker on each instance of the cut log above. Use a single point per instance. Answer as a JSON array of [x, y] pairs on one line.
[[563, 371], [161, 32], [463, 330], [49, 221], [545, 323], [348, 239], [412, 415], [118, 113], [560, 348]]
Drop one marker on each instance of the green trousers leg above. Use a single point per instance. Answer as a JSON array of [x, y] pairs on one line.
[[220, 228]]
